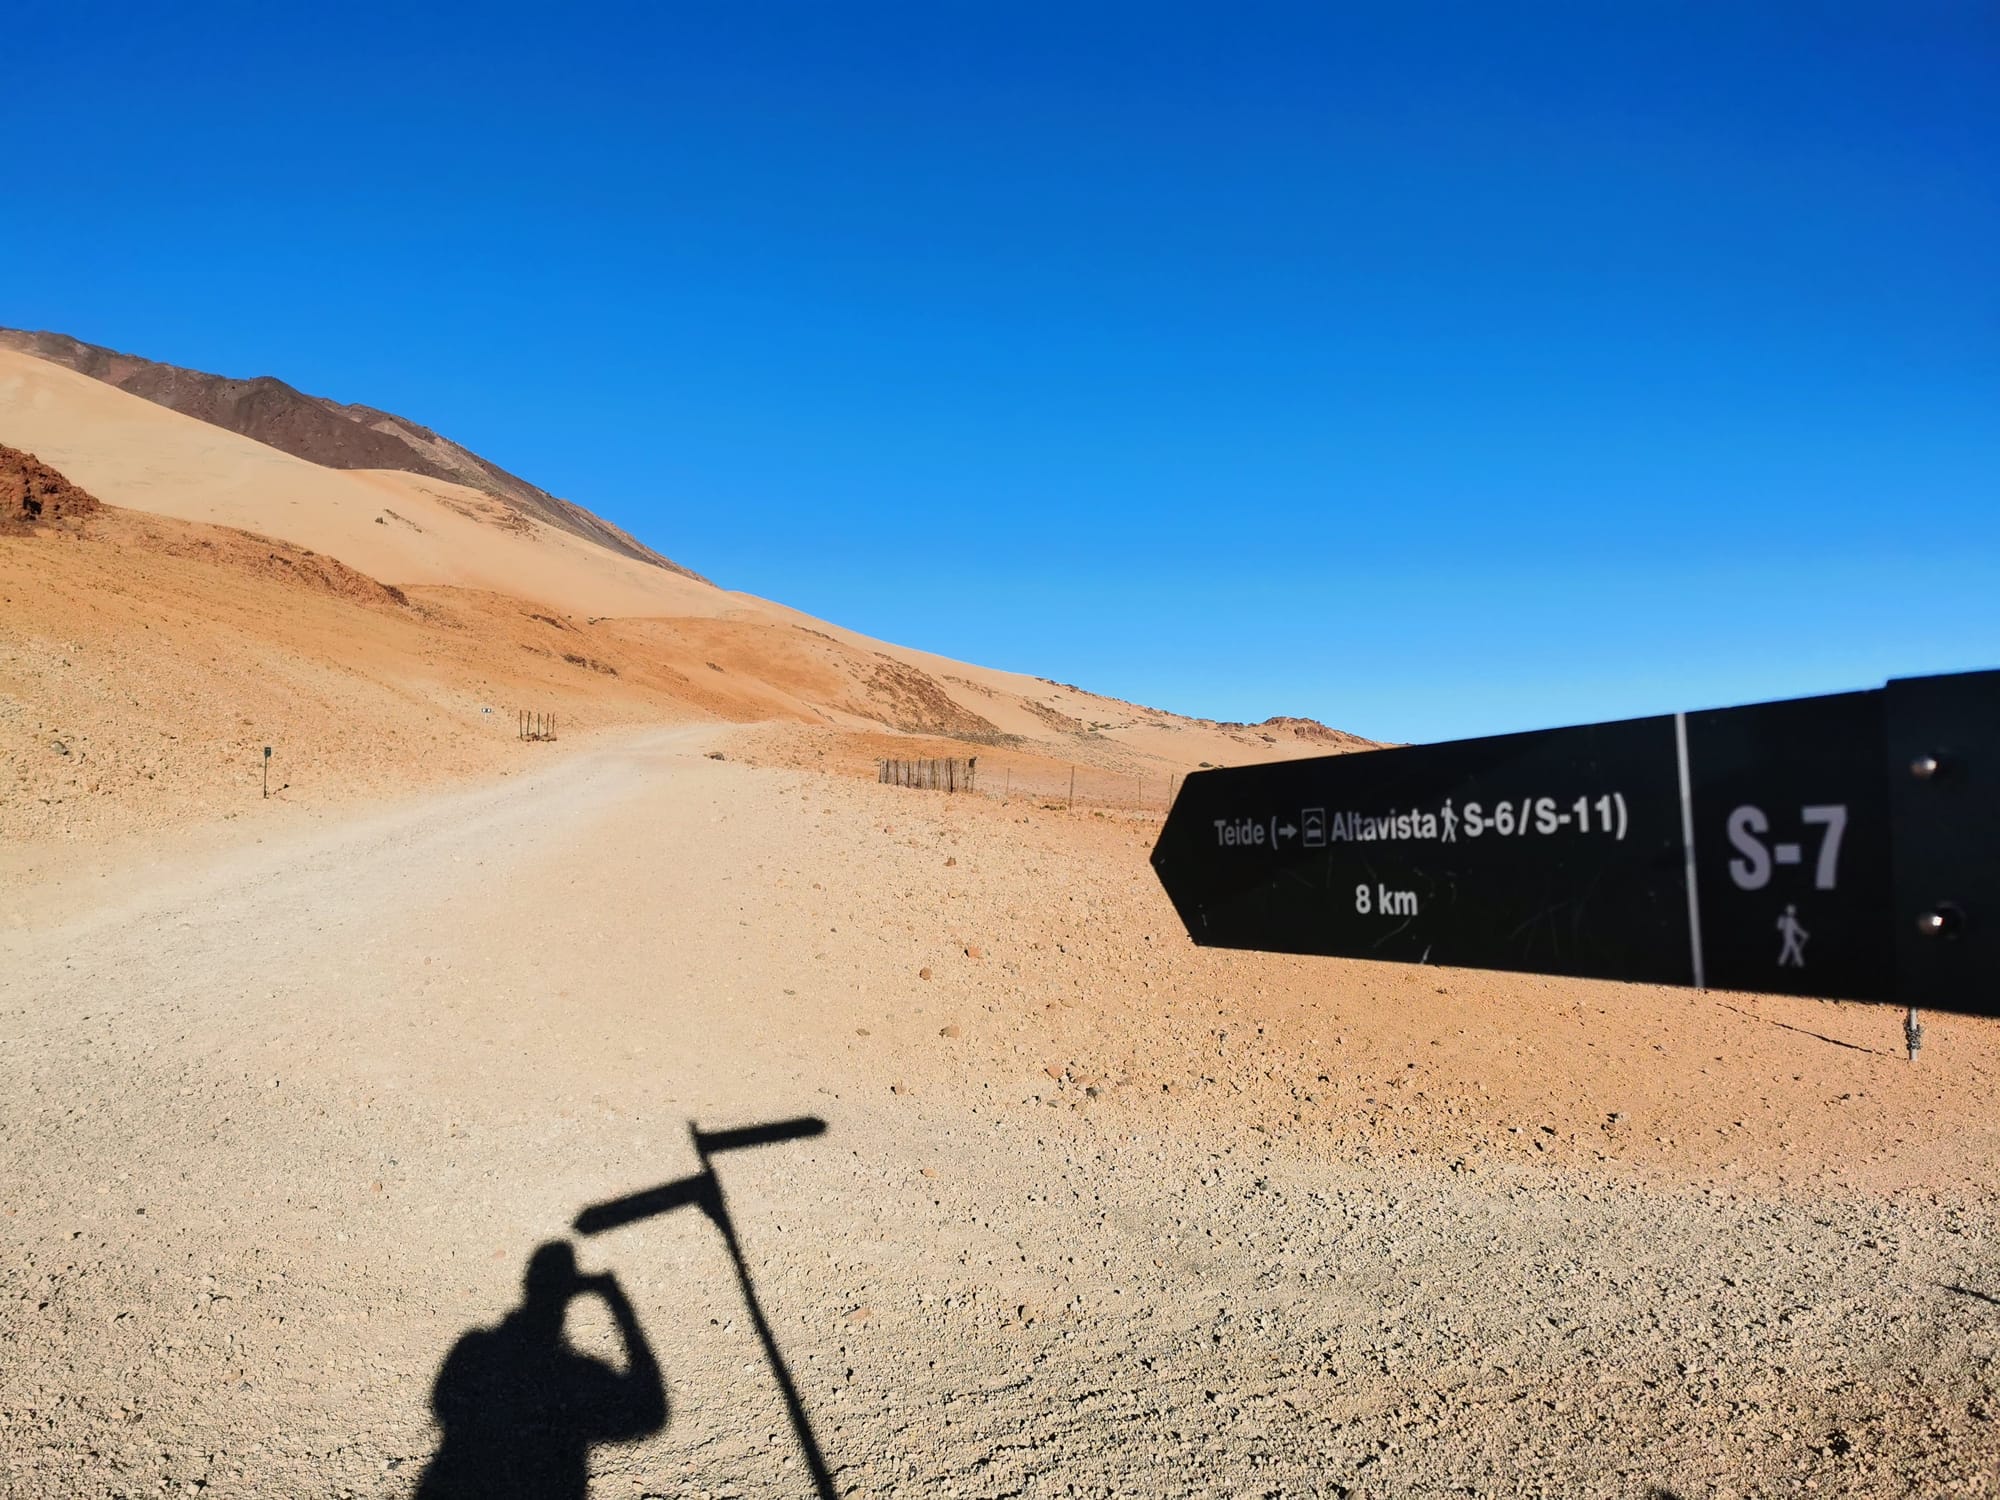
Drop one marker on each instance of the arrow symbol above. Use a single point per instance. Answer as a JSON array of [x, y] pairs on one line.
[[1288, 831]]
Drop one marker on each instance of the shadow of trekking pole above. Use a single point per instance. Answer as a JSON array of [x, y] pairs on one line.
[[704, 1191]]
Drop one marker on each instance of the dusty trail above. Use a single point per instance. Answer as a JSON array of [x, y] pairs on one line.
[[277, 1127]]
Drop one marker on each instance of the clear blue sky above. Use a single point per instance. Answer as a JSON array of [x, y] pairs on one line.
[[1429, 369]]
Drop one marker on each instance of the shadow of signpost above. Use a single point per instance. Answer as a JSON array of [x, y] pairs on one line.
[[520, 1409], [705, 1192], [1818, 1036], [1972, 1292]]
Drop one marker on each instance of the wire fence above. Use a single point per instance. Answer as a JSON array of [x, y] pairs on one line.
[[1046, 784]]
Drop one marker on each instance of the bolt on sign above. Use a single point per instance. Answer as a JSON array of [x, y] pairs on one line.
[[1846, 847]]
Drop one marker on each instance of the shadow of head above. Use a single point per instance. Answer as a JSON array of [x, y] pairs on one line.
[[551, 1275]]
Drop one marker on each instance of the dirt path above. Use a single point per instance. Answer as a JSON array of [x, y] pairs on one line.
[[279, 1125]]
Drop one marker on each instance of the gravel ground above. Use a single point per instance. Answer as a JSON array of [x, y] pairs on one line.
[[1095, 1213]]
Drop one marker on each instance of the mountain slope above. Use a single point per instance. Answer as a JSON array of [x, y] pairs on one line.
[[324, 432], [381, 625], [400, 527]]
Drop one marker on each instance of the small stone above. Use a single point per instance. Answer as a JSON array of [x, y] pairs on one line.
[[952, 1030], [924, 972], [973, 950], [950, 861], [897, 1089], [274, 1083], [860, 1315], [929, 1172]]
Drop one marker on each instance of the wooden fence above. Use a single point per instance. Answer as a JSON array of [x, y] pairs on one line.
[[931, 775]]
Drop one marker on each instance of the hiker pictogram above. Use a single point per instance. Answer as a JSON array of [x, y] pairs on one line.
[[1792, 953]]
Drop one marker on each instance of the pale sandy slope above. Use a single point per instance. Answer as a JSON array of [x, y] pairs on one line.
[[412, 530], [129, 452]]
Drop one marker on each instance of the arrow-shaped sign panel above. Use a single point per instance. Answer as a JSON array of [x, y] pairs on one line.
[[1842, 846]]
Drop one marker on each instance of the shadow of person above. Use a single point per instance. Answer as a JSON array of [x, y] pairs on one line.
[[520, 1408]]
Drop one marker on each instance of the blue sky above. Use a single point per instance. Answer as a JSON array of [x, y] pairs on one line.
[[1432, 370]]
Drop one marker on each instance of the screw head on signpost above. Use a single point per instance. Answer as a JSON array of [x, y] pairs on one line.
[[1942, 921], [267, 752]]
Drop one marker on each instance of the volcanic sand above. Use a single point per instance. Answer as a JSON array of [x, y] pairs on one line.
[[476, 569], [286, 1112]]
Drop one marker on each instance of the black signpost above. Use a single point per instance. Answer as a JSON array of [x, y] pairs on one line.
[[1846, 847]]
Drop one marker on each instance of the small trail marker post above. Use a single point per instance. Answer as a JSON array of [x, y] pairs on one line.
[[267, 773], [1838, 847]]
